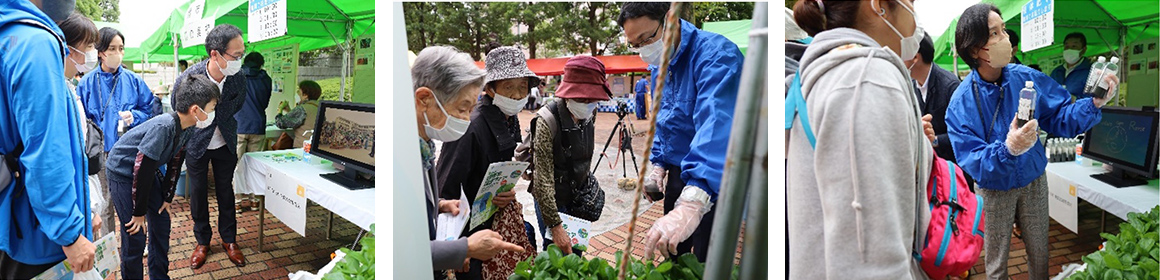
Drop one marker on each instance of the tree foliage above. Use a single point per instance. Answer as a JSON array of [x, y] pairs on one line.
[[100, 10], [545, 29]]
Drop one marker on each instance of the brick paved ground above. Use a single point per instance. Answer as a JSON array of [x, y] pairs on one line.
[[285, 250]]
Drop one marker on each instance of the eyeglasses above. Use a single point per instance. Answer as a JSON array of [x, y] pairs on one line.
[[649, 39]]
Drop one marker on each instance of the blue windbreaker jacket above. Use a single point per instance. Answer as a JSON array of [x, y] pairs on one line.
[[989, 162], [696, 112], [129, 94], [36, 109], [1075, 81]]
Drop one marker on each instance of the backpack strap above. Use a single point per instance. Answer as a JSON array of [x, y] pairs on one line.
[[795, 106]]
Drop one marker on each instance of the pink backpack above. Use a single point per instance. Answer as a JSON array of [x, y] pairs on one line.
[[954, 238]]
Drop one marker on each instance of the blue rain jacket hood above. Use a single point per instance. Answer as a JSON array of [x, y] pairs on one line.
[[988, 160], [696, 112], [129, 93], [52, 209]]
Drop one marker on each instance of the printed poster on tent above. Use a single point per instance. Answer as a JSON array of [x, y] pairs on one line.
[[282, 66], [499, 178], [1038, 26], [105, 261], [364, 70], [267, 19]]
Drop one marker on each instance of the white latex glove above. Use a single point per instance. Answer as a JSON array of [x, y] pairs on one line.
[[1113, 90], [1021, 139], [656, 178], [679, 224], [127, 117]]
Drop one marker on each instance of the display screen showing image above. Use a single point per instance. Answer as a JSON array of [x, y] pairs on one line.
[[1122, 136], [349, 134]]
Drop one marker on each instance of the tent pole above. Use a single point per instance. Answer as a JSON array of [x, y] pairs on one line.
[[744, 165], [176, 69], [345, 60]]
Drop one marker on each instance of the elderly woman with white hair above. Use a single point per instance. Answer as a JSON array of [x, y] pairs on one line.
[[446, 83]]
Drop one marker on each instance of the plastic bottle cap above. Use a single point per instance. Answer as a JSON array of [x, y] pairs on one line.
[[1029, 84], [1101, 59], [1115, 60]]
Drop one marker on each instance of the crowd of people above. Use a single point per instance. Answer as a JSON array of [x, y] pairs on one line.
[[87, 138], [688, 155], [880, 112]]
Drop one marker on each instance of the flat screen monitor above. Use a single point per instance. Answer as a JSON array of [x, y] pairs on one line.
[[1125, 138], [345, 134]]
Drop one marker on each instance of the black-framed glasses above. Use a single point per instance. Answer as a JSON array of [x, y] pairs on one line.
[[654, 35]]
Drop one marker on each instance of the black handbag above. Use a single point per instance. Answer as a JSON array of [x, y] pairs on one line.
[[587, 201]]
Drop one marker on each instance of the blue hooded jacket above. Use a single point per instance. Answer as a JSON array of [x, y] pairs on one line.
[[696, 112], [252, 116], [1075, 81], [130, 93], [36, 109], [989, 162]]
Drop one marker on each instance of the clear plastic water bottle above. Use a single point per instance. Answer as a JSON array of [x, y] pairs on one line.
[[1026, 104], [306, 148], [1110, 69], [1094, 74]]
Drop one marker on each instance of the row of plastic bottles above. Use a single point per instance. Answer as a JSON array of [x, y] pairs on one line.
[[1063, 149]]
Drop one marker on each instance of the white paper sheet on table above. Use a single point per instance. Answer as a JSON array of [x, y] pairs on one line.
[[448, 227]]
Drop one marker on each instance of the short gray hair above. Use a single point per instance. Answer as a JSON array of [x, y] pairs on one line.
[[446, 71]]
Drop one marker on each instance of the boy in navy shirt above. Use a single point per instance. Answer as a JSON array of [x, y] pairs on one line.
[[138, 189]]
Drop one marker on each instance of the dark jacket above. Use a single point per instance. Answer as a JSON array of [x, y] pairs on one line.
[[942, 85], [228, 104], [1073, 82], [491, 137], [252, 116]]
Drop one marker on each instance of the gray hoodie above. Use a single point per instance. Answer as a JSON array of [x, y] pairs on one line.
[[857, 201]]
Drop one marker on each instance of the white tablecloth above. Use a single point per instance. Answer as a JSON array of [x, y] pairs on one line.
[[355, 206], [1118, 201]]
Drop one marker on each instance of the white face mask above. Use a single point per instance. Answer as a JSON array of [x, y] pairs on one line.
[[652, 53], [1071, 56], [581, 110], [452, 129], [909, 44], [208, 120], [232, 67], [508, 106], [89, 63]]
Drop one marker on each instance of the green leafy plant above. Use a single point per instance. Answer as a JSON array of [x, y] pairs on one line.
[[356, 264], [553, 264], [1132, 254]]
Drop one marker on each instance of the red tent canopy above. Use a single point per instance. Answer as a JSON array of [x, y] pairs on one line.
[[613, 64]]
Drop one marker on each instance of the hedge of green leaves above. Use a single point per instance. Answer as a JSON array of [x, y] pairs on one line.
[[356, 264], [552, 264], [1132, 254]]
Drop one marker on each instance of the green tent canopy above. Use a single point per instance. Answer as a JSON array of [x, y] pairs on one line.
[[1101, 21], [736, 31], [311, 24]]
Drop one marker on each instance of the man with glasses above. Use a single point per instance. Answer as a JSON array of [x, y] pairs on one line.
[[216, 142], [693, 124]]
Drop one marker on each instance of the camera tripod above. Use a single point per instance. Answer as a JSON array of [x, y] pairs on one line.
[[624, 144]]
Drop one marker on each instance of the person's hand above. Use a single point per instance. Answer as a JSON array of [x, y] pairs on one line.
[[1113, 89], [135, 225], [928, 128], [126, 116], [283, 106], [485, 244], [656, 179], [502, 200], [80, 254], [164, 207], [466, 266], [674, 227], [449, 206], [96, 223], [560, 237], [1020, 139]]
